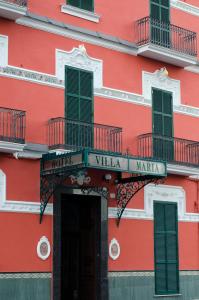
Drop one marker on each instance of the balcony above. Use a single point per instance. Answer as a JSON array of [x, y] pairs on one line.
[[12, 130], [181, 155], [13, 9], [166, 42], [69, 135]]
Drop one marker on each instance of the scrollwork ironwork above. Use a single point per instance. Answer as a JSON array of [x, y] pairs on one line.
[[126, 191]]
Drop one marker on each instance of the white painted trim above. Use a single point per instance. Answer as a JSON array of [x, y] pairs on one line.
[[3, 50], [160, 192], [80, 13], [193, 69], [167, 55], [9, 147], [11, 10], [188, 8], [42, 240], [79, 58], [18, 206], [159, 79], [81, 37], [112, 243], [182, 170]]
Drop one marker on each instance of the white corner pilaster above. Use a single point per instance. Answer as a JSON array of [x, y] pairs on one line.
[[3, 50]]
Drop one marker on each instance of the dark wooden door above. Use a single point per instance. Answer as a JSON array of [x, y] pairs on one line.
[[79, 250]]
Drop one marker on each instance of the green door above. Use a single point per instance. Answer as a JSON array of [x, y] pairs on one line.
[[162, 109], [166, 248], [160, 22], [78, 108]]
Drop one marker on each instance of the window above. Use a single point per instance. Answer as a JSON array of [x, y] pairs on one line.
[[79, 107], [162, 106], [166, 248], [160, 19], [83, 4]]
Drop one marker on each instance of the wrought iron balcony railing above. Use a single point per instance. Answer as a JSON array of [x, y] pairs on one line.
[[151, 31], [22, 3], [170, 149], [73, 135], [12, 125]]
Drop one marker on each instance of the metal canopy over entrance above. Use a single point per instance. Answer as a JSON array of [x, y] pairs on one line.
[[55, 169]]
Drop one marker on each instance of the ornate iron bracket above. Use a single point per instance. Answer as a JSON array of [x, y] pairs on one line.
[[128, 187], [49, 184]]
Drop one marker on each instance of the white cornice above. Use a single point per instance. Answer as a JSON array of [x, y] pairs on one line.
[[36, 24], [188, 8]]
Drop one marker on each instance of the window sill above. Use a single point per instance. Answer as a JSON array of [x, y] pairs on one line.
[[81, 13], [168, 295]]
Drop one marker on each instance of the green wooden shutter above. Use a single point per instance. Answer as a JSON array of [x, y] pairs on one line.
[[83, 4], [79, 107], [162, 110], [166, 248], [160, 17]]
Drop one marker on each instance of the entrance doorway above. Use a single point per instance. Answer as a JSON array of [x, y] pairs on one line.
[[78, 253]]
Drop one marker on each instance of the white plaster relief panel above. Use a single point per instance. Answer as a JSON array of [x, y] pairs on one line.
[[160, 79], [3, 51], [79, 58], [159, 192]]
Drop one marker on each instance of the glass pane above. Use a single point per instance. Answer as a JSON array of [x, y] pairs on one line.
[[158, 148], [164, 15], [160, 276], [171, 247], [74, 3], [160, 247], [168, 126], [86, 84], [72, 81], [172, 281], [167, 103], [157, 124], [157, 100], [165, 2], [72, 112], [155, 12], [171, 218], [159, 217], [87, 5], [85, 110]]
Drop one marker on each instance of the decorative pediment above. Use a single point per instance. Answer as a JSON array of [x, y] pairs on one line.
[[160, 79], [79, 58]]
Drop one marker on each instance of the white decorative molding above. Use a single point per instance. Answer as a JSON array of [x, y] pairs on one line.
[[18, 206], [114, 249], [81, 13], [3, 50], [25, 275], [182, 170], [79, 36], [104, 92], [43, 248], [160, 192], [9, 147], [188, 8], [159, 79], [79, 58], [193, 69]]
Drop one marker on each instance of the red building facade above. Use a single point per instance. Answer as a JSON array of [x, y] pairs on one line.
[[99, 149]]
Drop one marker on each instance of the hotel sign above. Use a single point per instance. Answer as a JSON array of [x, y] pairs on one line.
[[126, 164], [53, 163]]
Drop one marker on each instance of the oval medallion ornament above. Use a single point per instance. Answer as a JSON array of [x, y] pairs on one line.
[[43, 248], [114, 249]]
